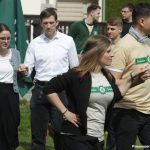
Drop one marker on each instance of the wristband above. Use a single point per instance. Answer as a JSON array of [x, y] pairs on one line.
[[65, 112], [131, 77]]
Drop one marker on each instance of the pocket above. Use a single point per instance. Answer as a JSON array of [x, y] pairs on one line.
[[38, 96]]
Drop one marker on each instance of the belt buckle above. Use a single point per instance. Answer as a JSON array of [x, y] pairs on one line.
[[42, 83]]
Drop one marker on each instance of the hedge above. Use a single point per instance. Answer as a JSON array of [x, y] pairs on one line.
[[113, 7]]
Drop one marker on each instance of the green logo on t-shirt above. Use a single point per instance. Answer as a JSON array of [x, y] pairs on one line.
[[101, 89], [142, 60]]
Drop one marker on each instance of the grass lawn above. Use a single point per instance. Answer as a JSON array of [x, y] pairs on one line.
[[25, 132]]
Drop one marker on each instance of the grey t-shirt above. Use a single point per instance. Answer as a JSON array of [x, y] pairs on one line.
[[100, 97]]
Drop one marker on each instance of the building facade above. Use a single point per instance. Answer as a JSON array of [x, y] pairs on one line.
[[68, 10]]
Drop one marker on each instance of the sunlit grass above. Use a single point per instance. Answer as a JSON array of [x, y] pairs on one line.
[[25, 131]]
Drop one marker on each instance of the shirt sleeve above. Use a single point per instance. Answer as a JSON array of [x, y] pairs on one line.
[[119, 61], [72, 55], [30, 58]]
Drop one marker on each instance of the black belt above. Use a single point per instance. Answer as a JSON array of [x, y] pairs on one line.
[[3, 83], [42, 83]]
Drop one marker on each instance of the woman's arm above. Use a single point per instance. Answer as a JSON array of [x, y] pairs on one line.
[[58, 84], [135, 78], [55, 101], [123, 85]]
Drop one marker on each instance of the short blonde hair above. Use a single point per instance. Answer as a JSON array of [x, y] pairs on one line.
[[115, 21]]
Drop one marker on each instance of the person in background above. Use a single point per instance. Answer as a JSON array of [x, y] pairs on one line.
[[37, 29], [9, 97], [114, 29], [132, 113], [52, 53], [91, 92], [126, 13], [81, 30]]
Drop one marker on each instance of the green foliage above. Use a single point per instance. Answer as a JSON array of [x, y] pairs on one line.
[[113, 7]]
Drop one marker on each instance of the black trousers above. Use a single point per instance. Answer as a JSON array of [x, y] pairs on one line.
[[9, 117], [77, 142], [128, 124], [111, 139], [41, 114]]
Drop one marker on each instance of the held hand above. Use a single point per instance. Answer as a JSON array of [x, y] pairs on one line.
[[139, 72], [73, 118], [145, 75], [136, 77], [23, 69], [140, 75]]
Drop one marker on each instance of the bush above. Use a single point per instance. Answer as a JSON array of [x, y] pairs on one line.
[[113, 7]]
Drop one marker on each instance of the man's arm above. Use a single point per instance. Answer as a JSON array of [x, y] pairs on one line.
[[72, 55], [29, 61]]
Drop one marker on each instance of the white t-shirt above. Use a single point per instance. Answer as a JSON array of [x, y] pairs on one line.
[[100, 97], [90, 28], [6, 69]]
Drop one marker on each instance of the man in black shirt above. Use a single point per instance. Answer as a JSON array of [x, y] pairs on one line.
[[126, 12]]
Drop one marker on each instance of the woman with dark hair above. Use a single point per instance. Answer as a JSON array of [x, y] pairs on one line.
[[91, 92], [9, 97]]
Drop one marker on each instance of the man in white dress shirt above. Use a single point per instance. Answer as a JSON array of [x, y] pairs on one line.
[[52, 53]]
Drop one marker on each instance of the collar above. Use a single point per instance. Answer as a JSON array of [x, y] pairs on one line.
[[140, 38], [57, 36], [83, 21], [87, 23]]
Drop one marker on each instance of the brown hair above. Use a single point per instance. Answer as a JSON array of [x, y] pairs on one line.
[[92, 7], [130, 6], [95, 46], [115, 21], [141, 10], [4, 27], [48, 12]]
